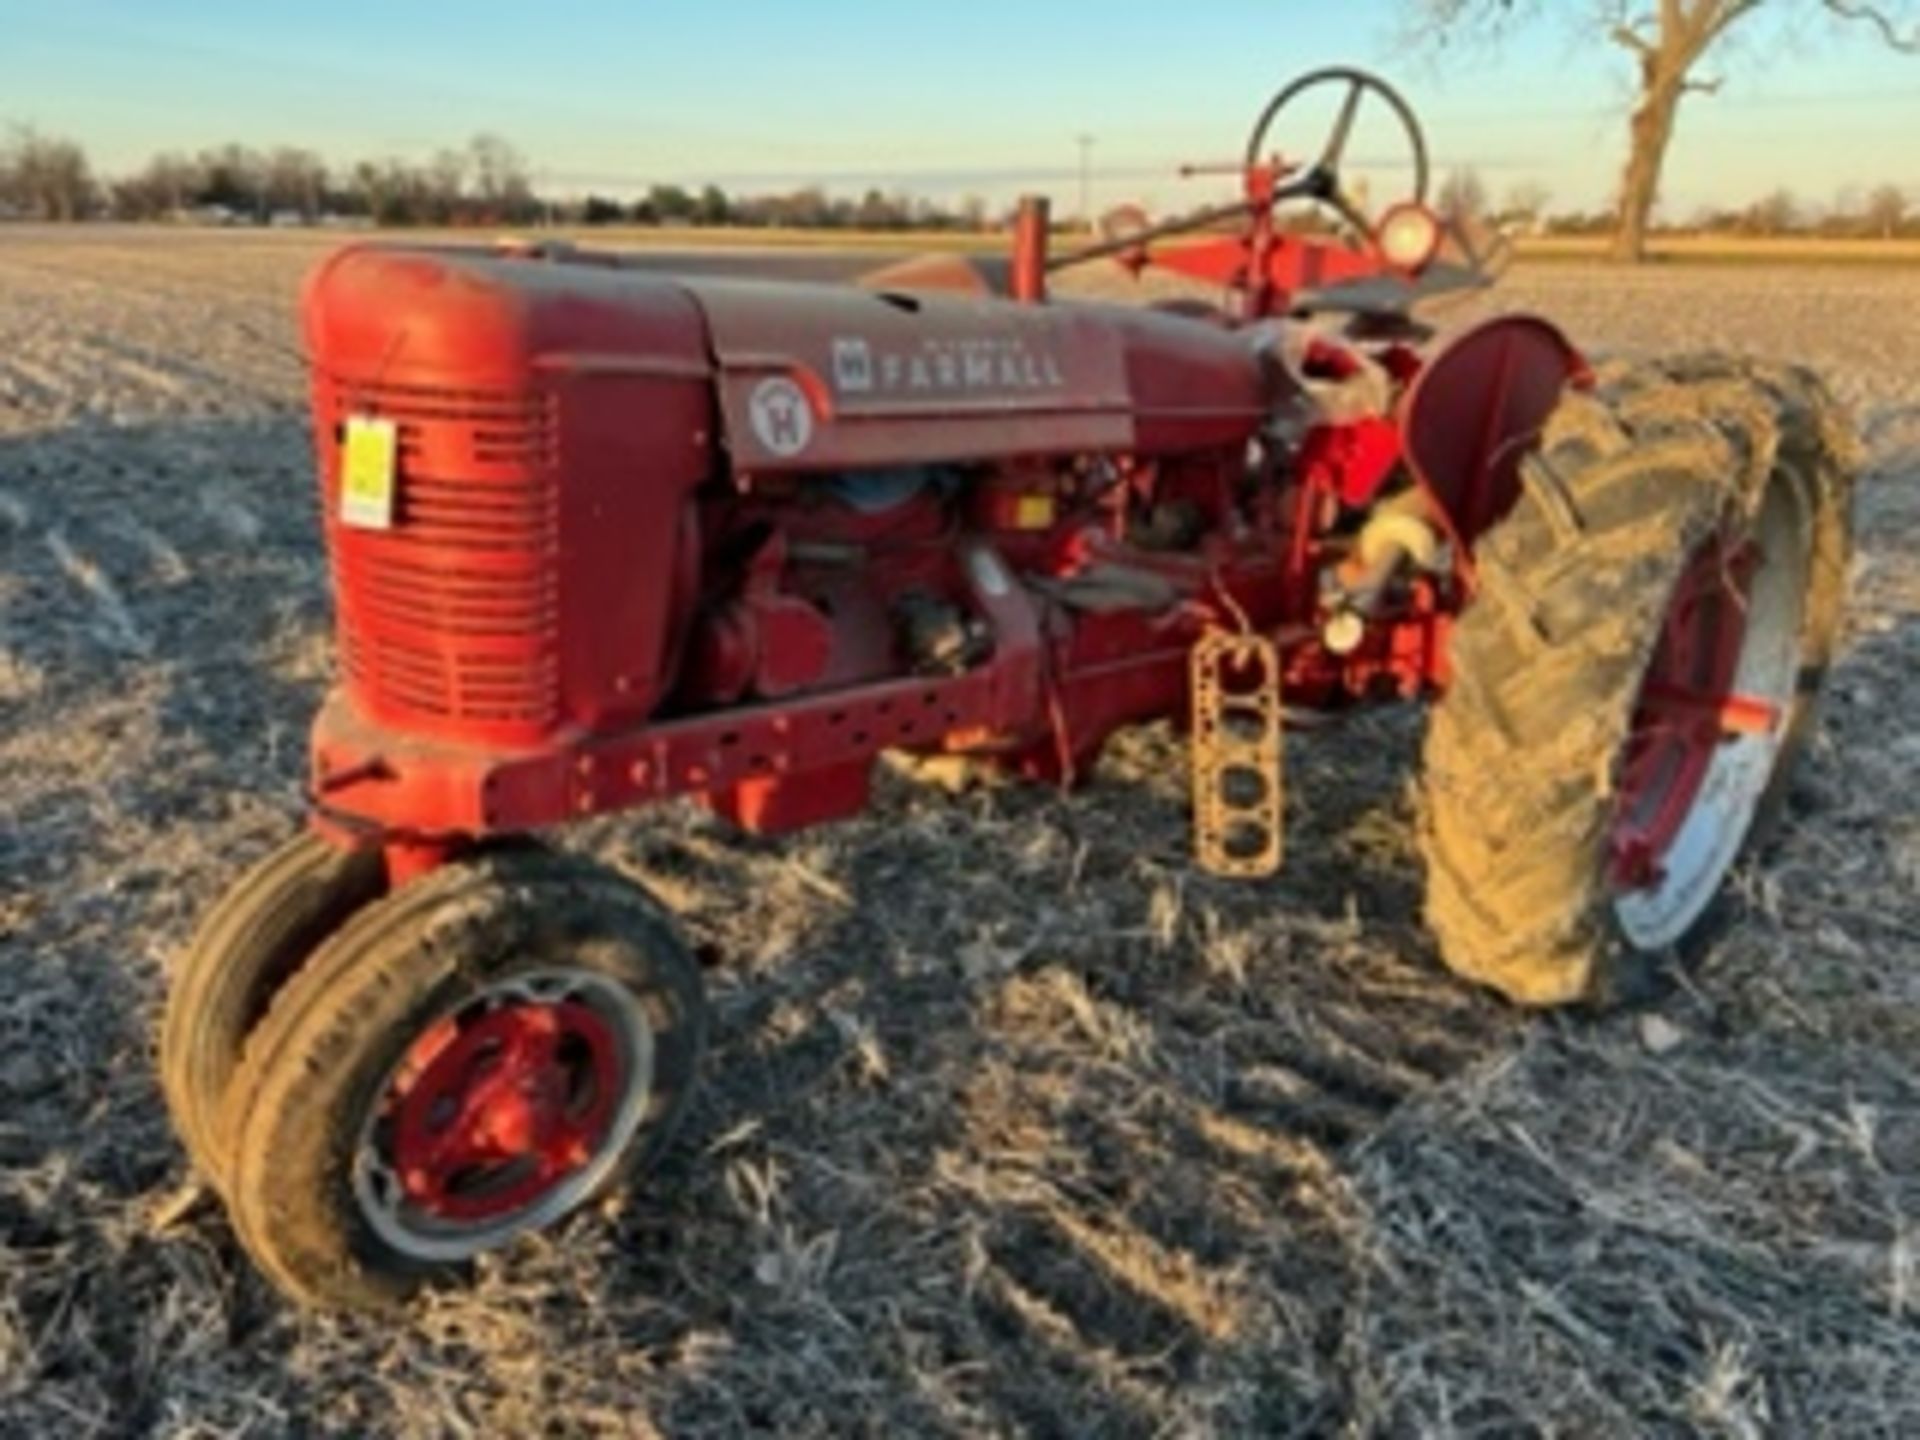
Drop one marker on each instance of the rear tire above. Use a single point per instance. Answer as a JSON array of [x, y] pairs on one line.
[[257, 934], [1526, 752], [382, 1043]]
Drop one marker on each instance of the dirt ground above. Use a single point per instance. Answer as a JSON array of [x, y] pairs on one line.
[[1013, 1124]]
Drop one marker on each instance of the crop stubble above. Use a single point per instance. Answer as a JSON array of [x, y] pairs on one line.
[[1013, 1122]]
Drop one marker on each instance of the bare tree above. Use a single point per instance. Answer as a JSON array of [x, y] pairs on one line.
[[1774, 214], [713, 207], [234, 178], [1886, 211], [1669, 41], [175, 181], [447, 183], [672, 204], [501, 181], [45, 176], [1526, 203], [380, 190], [877, 211], [1463, 196], [296, 179]]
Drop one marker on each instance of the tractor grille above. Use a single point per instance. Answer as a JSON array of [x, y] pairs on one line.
[[452, 615]]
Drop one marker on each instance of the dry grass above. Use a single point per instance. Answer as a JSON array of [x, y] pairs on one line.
[[1734, 249], [1014, 1123]]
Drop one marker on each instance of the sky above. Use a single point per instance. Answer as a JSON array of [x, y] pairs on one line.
[[981, 96]]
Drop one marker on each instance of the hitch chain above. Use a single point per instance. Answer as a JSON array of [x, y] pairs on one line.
[[1236, 754]]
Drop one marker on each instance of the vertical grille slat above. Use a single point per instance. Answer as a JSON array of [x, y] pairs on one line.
[[452, 615]]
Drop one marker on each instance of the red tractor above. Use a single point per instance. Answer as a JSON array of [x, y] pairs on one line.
[[601, 537]]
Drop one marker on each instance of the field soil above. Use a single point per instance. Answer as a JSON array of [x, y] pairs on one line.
[[1013, 1123]]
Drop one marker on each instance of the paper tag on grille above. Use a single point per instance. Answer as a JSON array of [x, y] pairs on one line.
[[369, 461], [1237, 784]]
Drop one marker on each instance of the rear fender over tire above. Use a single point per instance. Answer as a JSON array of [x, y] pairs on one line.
[[1577, 585]]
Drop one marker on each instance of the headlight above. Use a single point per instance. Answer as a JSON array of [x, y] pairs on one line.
[[1409, 237]]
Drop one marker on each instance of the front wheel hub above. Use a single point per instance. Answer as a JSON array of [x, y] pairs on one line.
[[504, 1114]]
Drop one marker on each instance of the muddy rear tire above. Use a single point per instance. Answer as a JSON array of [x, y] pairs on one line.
[[470, 1059], [1580, 590], [257, 934]]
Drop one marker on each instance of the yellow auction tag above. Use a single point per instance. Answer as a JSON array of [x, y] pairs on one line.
[[1033, 512], [369, 460]]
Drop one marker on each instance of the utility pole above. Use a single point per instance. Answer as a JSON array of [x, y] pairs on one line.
[[1085, 143]]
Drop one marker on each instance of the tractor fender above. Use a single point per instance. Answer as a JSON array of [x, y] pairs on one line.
[[1475, 412]]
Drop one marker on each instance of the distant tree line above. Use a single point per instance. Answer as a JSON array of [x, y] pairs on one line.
[[808, 208], [488, 182], [49, 178], [1885, 212], [1880, 212]]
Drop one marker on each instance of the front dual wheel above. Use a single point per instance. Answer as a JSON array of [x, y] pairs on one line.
[[1635, 676], [465, 1061]]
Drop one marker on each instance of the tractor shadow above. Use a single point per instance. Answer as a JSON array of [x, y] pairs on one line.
[[1027, 1127], [1002, 1078], [1017, 1124]]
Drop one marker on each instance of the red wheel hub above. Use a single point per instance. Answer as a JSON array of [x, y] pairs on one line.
[[1686, 710], [489, 1115]]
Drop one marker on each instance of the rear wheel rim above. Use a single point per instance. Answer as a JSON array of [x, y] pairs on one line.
[[505, 1113], [1710, 723]]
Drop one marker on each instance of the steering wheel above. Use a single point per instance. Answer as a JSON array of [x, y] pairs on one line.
[[1320, 181]]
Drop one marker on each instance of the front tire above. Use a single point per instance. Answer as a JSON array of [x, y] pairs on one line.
[[469, 1060], [253, 939], [1635, 676]]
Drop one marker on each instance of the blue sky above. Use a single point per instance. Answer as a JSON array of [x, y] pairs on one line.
[[943, 99]]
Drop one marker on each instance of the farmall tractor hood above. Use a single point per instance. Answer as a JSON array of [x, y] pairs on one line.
[[808, 377], [818, 377]]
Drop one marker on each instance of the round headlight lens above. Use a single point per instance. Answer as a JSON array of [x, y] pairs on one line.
[[1409, 237]]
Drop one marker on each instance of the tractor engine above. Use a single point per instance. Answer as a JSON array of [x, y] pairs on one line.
[[614, 499], [600, 536]]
